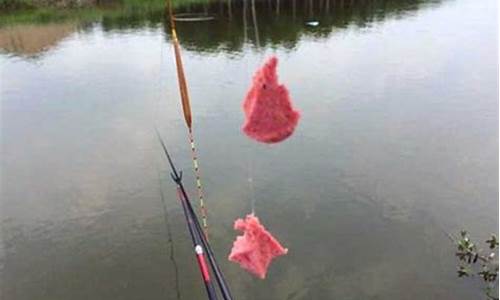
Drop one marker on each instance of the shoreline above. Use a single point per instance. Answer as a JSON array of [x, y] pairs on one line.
[[13, 6]]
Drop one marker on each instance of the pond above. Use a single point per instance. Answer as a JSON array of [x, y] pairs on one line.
[[397, 146]]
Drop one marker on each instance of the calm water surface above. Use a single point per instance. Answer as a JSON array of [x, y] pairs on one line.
[[397, 145]]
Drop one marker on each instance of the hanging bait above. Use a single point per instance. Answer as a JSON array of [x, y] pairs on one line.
[[256, 248], [270, 116]]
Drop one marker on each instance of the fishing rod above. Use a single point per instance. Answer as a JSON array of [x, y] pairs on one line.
[[200, 241], [193, 231], [198, 249]]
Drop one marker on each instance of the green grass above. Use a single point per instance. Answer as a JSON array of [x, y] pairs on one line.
[[24, 12], [12, 5]]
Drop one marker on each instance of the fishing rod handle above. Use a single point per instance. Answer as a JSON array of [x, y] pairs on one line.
[[221, 281], [205, 273], [195, 236]]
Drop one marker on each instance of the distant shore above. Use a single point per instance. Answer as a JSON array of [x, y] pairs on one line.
[[15, 5], [33, 4]]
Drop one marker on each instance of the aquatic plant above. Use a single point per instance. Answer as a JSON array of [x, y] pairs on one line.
[[479, 263]]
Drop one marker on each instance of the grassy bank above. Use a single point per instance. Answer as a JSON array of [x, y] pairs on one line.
[[33, 12], [12, 5]]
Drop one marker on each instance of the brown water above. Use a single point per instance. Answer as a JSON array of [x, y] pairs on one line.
[[397, 145]]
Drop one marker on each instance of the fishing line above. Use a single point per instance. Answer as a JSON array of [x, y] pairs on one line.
[[260, 56], [250, 160], [250, 181], [186, 108], [199, 186], [256, 28], [166, 216], [261, 53], [159, 84], [170, 239], [245, 33]]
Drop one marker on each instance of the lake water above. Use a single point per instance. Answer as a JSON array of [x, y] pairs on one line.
[[397, 146]]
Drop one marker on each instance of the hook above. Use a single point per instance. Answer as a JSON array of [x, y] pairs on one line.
[[176, 178]]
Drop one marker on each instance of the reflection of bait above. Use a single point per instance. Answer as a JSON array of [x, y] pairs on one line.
[[270, 117], [256, 248], [312, 23]]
